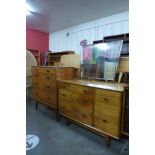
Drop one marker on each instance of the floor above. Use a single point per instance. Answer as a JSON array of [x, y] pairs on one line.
[[58, 139]]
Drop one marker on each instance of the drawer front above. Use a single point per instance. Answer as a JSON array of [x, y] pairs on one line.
[[82, 101], [77, 89], [107, 99], [76, 104], [43, 83], [64, 73], [37, 93], [107, 111], [67, 108], [73, 111], [108, 93], [43, 77], [49, 97], [46, 70], [43, 70], [109, 124]]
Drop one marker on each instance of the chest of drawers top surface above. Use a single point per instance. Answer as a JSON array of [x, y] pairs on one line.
[[96, 84]]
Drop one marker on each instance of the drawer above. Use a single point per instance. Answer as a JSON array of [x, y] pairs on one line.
[[43, 77], [67, 108], [35, 70], [49, 97], [73, 111], [77, 88], [64, 74], [82, 101], [45, 85], [37, 93], [48, 77], [107, 99], [102, 102], [35, 75], [109, 93], [84, 117], [46, 70], [109, 124]]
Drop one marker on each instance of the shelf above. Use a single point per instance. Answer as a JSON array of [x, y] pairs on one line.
[[54, 58], [36, 54]]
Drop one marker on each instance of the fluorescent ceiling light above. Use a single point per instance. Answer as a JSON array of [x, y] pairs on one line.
[[28, 12], [29, 9], [102, 46]]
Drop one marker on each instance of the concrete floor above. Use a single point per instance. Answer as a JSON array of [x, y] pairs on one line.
[[58, 139]]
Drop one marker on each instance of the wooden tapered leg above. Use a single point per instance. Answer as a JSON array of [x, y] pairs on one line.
[[57, 117], [36, 106], [68, 123], [107, 140]]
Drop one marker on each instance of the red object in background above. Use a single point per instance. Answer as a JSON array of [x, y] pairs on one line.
[[38, 41]]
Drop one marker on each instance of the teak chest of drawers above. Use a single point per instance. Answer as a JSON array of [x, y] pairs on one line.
[[95, 106], [44, 83]]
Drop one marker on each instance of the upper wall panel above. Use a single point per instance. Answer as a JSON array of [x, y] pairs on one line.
[[69, 39]]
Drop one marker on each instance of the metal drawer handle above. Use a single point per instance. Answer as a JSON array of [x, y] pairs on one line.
[[105, 121], [48, 77], [105, 99], [85, 101]]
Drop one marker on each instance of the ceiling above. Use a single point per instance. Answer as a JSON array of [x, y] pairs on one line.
[[53, 15]]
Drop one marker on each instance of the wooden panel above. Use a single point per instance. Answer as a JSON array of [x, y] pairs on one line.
[[45, 95], [50, 98], [108, 93], [108, 123], [125, 113], [46, 70], [77, 88], [107, 99], [70, 60], [123, 64], [64, 74], [107, 111], [76, 103], [43, 77]]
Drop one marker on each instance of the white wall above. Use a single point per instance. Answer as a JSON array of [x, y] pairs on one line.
[[94, 30]]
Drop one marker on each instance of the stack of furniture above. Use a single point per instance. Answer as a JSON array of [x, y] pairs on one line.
[[99, 106], [36, 54], [71, 60], [54, 58]]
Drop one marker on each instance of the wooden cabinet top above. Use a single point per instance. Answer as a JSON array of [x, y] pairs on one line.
[[98, 84]]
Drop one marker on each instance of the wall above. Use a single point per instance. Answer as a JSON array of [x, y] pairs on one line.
[[37, 40], [94, 30]]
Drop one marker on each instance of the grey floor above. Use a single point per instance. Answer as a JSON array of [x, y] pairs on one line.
[[58, 139]]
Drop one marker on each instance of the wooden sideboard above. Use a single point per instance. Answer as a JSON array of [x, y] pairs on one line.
[[44, 83], [94, 105]]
